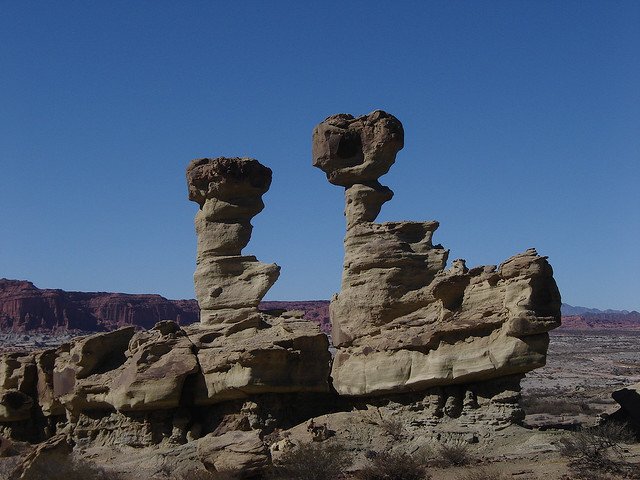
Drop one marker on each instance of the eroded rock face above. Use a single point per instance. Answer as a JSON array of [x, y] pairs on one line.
[[402, 321], [17, 381], [26, 308], [229, 191], [281, 355]]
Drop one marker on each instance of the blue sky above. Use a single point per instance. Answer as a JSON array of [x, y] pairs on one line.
[[522, 124]]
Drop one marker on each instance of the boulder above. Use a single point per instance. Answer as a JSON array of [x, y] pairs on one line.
[[241, 453], [17, 386], [278, 355], [158, 364], [629, 400]]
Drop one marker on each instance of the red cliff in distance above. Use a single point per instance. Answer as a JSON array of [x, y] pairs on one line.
[[24, 307]]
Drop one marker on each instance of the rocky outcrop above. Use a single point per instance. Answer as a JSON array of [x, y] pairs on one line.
[[241, 452], [446, 347], [402, 321], [241, 350], [25, 308], [175, 383], [229, 286], [629, 400]]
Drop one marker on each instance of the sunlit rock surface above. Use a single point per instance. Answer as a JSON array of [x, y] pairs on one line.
[[402, 320]]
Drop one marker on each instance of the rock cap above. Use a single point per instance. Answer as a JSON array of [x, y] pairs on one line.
[[357, 150], [226, 178]]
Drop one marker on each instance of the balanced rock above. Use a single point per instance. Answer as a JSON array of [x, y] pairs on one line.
[[402, 321], [229, 286]]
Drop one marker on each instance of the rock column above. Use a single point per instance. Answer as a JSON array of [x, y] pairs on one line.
[[401, 321], [229, 285]]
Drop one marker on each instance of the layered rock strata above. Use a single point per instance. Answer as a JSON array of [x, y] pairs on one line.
[[229, 286], [403, 321]]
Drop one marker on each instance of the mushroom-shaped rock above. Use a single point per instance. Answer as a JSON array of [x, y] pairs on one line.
[[357, 150], [402, 321], [229, 191]]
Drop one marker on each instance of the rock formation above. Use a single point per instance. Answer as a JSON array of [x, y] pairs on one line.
[[232, 371], [417, 344], [229, 286], [402, 321], [25, 308]]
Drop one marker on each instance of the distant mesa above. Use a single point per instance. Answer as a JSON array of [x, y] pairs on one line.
[[25, 308]]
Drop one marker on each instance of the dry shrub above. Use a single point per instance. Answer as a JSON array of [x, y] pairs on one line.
[[207, 475], [484, 473], [389, 466], [69, 470], [393, 427], [312, 461], [597, 451], [553, 406], [453, 455]]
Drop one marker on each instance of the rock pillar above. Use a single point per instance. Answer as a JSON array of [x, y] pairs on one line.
[[401, 321], [229, 285]]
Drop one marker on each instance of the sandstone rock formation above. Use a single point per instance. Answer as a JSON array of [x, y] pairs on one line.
[[231, 378], [402, 321], [445, 346], [229, 191]]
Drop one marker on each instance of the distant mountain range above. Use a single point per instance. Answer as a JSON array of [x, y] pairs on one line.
[[571, 310], [25, 308]]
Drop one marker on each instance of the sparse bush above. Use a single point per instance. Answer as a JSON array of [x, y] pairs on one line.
[[483, 473], [393, 427], [312, 461], [207, 475], [553, 405], [69, 470], [453, 455], [598, 450], [389, 466]]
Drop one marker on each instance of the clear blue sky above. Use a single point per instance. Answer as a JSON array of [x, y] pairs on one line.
[[522, 123]]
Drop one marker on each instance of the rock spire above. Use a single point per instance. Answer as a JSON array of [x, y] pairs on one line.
[[401, 320], [229, 191]]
